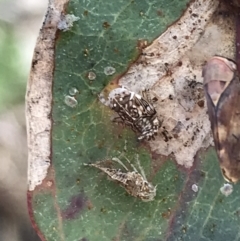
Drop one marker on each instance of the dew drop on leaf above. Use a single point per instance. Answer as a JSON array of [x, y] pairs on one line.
[[226, 189], [70, 101], [91, 75], [109, 70], [73, 91], [195, 188]]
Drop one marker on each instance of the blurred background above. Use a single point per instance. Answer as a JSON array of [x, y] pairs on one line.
[[20, 22]]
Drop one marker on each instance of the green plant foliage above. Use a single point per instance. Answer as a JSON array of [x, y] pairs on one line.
[[82, 203]]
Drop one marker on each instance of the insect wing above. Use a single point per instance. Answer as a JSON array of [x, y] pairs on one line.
[[120, 105], [147, 108]]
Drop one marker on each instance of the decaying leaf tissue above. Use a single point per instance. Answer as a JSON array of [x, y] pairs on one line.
[[222, 89], [134, 183]]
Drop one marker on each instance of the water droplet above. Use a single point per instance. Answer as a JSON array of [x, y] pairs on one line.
[[227, 189], [91, 75], [70, 101], [195, 188], [73, 91], [109, 70]]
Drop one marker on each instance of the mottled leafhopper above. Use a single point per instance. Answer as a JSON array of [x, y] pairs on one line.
[[135, 111], [222, 91], [134, 183]]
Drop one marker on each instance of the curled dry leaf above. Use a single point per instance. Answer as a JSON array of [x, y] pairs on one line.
[[222, 88]]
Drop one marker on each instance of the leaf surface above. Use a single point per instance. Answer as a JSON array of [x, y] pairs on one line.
[[78, 202]]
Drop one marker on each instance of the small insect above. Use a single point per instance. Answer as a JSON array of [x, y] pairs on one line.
[[222, 91], [134, 183], [135, 111]]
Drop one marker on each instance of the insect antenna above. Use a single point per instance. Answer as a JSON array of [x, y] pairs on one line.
[[120, 162], [140, 167]]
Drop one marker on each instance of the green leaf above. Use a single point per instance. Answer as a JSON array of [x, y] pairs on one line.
[[78, 202], [208, 214]]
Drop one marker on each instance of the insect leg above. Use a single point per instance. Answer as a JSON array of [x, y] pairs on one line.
[[118, 119], [146, 95]]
